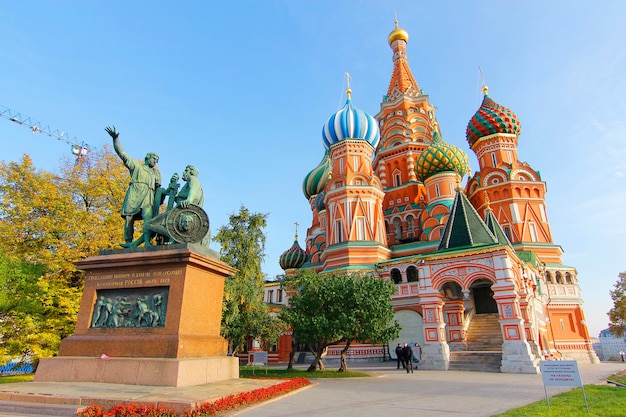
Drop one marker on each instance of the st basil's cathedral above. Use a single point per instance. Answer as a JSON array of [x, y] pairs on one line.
[[479, 279]]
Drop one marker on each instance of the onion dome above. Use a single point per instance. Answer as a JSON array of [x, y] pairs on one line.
[[294, 257], [398, 34], [491, 118], [350, 123], [316, 180], [320, 204], [440, 157]]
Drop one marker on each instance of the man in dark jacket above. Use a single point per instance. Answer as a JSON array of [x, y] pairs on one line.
[[400, 355], [407, 354]]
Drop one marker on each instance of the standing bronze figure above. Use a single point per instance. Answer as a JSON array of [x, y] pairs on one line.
[[145, 179]]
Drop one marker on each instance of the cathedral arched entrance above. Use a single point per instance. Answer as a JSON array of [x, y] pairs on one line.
[[484, 303], [411, 329]]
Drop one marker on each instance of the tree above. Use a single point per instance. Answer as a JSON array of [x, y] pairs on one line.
[[269, 329], [36, 312], [326, 310], [243, 247], [48, 222], [58, 219], [617, 314], [370, 316]]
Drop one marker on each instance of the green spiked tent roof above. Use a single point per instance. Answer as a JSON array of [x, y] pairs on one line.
[[495, 228], [465, 228]]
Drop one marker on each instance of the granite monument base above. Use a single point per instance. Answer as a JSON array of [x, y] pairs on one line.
[[172, 372], [148, 316]]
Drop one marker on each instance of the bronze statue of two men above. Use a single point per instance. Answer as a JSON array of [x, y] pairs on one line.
[[184, 220]]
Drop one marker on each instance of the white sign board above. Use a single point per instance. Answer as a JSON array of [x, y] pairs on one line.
[[560, 373], [259, 357]]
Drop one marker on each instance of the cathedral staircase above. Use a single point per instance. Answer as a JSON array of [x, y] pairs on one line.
[[483, 351]]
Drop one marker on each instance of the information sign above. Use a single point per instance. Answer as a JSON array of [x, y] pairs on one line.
[[561, 374]]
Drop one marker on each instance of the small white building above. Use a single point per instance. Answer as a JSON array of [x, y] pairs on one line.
[[610, 346]]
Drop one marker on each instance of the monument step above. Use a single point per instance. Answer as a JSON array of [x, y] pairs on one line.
[[18, 408]]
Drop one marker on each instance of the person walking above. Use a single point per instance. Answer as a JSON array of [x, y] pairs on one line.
[[400, 356], [407, 354], [417, 354], [622, 355]]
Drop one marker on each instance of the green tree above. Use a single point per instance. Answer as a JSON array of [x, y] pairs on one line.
[[48, 221], [36, 312], [326, 310], [242, 243], [617, 314], [269, 329]]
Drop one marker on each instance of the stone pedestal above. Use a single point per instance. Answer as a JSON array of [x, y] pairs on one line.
[[517, 358], [150, 317], [435, 356]]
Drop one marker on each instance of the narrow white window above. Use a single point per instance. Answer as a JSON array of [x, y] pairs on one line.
[[493, 159], [515, 213], [437, 193], [533, 232], [338, 231], [360, 228]]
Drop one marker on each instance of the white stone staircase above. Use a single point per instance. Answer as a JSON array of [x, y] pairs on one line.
[[483, 348]]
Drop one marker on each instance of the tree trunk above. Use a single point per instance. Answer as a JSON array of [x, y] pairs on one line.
[[317, 362], [344, 353], [292, 354]]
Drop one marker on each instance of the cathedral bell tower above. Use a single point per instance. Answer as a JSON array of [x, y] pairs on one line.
[[514, 189], [406, 120], [353, 196]]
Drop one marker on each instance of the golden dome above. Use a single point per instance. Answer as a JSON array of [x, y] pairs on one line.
[[397, 34]]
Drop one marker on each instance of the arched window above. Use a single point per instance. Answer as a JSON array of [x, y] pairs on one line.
[[396, 276], [338, 231], [568, 278], [549, 277], [411, 274], [410, 225], [507, 233], [559, 278], [397, 228]]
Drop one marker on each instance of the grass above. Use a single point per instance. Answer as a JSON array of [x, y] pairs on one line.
[[603, 401], [8, 379], [259, 372]]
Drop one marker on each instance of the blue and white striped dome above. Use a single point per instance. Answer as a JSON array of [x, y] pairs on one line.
[[350, 123]]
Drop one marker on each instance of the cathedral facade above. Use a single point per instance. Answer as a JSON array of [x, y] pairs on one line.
[[479, 279]]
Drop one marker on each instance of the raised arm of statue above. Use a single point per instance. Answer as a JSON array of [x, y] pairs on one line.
[[117, 144]]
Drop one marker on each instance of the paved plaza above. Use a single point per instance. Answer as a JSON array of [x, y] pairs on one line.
[[423, 393], [392, 393]]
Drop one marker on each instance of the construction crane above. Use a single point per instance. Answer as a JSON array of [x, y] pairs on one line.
[[79, 149]]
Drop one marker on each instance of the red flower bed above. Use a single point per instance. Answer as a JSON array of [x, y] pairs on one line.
[[229, 402]]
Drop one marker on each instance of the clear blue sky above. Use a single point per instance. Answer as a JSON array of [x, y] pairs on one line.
[[241, 89]]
